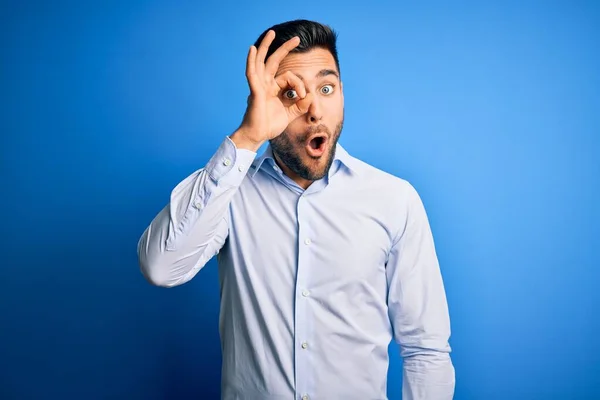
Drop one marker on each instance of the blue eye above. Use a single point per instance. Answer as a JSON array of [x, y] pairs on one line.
[[327, 89]]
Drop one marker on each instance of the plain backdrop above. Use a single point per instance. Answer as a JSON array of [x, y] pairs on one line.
[[491, 110]]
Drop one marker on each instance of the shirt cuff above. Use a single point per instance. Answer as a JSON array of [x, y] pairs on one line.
[[229, 165]]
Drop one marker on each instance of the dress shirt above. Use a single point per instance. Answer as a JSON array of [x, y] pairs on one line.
[[315, 283]]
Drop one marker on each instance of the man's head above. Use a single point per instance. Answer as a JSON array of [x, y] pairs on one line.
[[307, 146]]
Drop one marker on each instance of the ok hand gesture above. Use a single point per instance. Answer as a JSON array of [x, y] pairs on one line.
[[268, 114]]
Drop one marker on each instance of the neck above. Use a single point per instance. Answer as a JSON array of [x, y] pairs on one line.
[[303, 183]]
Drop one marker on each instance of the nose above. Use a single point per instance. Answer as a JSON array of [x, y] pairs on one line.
[[315, 112]]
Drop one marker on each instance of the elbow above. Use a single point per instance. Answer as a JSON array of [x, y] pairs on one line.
[[164, 267], [431, 354], [432, 347], [153, 267], [155, 275]]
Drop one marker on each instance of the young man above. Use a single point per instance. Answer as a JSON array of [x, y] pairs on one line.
[[323, 259]]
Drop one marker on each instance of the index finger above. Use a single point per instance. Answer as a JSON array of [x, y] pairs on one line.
[[279, 54]]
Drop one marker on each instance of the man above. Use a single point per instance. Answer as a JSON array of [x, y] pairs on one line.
[[323, 259]]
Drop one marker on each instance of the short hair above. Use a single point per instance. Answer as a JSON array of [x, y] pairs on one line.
[[312, 35]]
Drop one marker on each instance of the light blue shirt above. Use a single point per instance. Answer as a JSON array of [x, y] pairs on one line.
[[315, 283]]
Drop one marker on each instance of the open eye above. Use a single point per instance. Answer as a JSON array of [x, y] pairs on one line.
[[290, 94], [327, 89]]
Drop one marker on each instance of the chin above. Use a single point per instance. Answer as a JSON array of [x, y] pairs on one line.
[[317, 167], [291, 151]]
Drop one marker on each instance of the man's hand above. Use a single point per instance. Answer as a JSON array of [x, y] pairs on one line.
[[266, 115]]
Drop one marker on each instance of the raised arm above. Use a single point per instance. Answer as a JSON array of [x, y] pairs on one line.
[[193, 226]]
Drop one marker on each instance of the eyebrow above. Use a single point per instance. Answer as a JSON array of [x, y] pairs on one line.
[[324, 72], [321, 74]]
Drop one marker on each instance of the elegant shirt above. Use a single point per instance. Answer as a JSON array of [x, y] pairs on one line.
[[315, 283]]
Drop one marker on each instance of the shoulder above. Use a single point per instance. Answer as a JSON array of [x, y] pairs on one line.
[[394, 200], [369, 177]]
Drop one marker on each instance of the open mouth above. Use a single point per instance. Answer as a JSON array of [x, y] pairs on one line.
[[316, 145], [317, 142]]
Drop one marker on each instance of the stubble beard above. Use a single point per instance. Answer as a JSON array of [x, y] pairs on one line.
[[291, 151]]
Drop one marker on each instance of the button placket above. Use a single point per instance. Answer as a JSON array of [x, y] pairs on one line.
[[303, 324]]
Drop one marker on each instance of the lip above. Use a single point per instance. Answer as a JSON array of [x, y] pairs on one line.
[[321, 150]]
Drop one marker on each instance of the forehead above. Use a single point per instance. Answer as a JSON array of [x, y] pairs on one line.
[[307, 64]]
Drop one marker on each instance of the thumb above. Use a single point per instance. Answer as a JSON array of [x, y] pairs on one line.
[[300, 107]]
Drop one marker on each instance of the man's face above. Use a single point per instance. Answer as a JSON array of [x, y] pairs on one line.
[[307, 146]]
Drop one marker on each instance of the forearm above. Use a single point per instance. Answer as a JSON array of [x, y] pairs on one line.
[[428, 375], [184, 235], [193, 226]]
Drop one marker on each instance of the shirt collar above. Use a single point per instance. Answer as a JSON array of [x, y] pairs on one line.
[[341, 155]]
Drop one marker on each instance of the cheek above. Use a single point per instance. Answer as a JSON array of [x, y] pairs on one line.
[[335, 108], [294, 129], [292, 135]]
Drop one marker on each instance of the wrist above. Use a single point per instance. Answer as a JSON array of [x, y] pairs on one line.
[[242, 140]]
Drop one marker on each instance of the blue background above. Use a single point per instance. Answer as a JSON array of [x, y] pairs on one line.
[[491, 111]]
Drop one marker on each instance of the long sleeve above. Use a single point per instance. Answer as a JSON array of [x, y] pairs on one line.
[[193, 226], [418, 308]]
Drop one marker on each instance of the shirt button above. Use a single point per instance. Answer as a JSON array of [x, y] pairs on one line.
[[307, 241], [304, 345], [241, 168], [198, 206], [226, 162], [305, 397], [305, 293]]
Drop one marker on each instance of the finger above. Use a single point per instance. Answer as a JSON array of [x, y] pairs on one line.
[[251, 69], [300, 107], [279, 54], [262, 52], [291, 81]]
